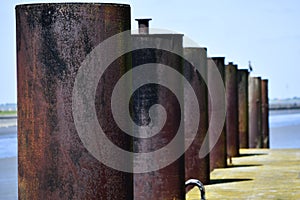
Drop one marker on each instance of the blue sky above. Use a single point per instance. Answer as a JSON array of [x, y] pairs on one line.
[[266, 32]]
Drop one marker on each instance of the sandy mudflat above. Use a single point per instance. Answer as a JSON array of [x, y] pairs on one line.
[[8, 178]]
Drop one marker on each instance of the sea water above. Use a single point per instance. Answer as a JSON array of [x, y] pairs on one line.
[[285, 129], [8, 141]]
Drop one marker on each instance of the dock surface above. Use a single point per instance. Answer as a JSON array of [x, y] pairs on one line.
[[256, 174]]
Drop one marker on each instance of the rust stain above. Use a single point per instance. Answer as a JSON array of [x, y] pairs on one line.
[[52, 41]]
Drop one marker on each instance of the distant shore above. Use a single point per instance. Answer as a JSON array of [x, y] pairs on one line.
[[8, 113], [284, 107], [284, 104]]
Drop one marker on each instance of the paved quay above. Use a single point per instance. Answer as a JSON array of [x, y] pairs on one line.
[[256, 174]]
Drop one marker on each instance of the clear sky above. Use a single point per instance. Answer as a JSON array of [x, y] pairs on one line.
[[267, 32]]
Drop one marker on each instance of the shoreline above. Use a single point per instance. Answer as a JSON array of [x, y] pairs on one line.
[[284, 108], [8, 117]]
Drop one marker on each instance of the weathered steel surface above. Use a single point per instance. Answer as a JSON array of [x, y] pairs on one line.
[[265, 113], [195, 167], [218, 154], [232, 118], [168, 182], [52, 42], [243, 107], [255, 135]]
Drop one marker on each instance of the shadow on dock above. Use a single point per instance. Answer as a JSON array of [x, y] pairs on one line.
[[244, 165], [227, 180], [252, 154]]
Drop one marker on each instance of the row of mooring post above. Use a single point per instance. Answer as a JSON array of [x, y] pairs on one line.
[[258, 113], [55, 162]]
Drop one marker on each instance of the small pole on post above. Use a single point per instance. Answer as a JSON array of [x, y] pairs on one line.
[[143, 25]]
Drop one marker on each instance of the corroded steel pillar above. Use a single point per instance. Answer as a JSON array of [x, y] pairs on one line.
[[167, 182], [255, 135], [52, 42], [196, 167], [243, 107], [265, 113], [218, 155], [232, 118]]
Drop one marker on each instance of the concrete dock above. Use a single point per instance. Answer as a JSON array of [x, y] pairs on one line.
[[256, 174]]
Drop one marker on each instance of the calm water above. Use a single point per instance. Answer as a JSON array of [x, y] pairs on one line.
[[285, 129], [8, 138], [284, 118], [8, 159], [8, 142]]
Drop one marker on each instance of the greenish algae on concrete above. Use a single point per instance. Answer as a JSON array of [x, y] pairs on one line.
[[256, 174]]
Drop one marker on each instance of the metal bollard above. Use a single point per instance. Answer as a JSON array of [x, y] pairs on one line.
[[232, 118], [218, 155], [52, 42], [255, 135], [243, 107], [265, 113], [196, 167], [197, 183], [168, 182]]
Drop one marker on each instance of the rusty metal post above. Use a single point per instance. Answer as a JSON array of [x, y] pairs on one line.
[[195, 167], [232, 118], [52, 42], [218, 155], [143, 25], [243, 107], [255, 135], [265, 113], [168, 182]]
